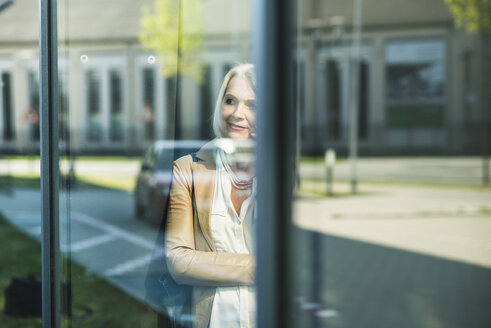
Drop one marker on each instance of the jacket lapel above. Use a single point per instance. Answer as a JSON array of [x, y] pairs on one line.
[[204, 176]]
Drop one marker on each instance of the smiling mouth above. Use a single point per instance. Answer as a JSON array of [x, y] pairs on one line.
[[237, 127]]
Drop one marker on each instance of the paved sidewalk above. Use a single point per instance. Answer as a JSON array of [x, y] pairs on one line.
[[438, 170], [101, 235], [128, 167], [394, 256], [393, 251], [453, 223]]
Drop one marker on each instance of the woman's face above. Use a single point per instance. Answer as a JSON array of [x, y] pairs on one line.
[[239, 109]]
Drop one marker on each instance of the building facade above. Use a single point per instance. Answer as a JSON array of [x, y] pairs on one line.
[[418, 88]]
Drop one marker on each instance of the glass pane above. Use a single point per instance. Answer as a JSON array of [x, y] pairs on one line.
[[20, 206], [8, 126], [333, 95], [415, 83], [94, 119], [206, 109], [32, 112], [141, 80], [393, 155], [116, 105], [147, 116], [63, 102]]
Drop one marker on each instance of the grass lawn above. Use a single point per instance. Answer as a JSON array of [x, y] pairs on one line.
[[78, 158], [95, 302], [320, 184], [322, 193], [32, 181], [126, 183], [20, 181], [318, 160]]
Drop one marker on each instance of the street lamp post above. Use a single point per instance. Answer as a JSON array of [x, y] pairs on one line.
[[354, 94]]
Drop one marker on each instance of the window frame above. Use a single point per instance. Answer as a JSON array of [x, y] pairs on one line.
[[49, 138], [103, 63], [275, 159]]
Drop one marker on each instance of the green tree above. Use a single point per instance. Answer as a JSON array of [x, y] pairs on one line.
[[474, 15], [174, 30]]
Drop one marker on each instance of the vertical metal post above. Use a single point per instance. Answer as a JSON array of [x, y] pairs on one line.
[[273, 43], [354, 93], [316, 275], [484, 109], [48, 73]]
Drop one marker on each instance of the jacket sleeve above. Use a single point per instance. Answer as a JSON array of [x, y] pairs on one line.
[[186, 264]]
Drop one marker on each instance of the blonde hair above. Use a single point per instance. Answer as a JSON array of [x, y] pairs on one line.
[[243, 70]]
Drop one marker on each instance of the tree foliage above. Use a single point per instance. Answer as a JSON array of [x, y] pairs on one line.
[[174, 30], [474, 15]]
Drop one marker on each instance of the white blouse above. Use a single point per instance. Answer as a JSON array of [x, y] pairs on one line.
[[233, 307]]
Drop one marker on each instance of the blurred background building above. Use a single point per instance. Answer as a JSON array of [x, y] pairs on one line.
[[420, 78]]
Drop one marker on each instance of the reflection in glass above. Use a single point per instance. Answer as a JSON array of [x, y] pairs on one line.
[[94, 113], [7, 108], [63, 105], [20, 199], [363, 100], [171, 106], [415, 83], [415, 69], [398, 247], [112, 201], [147, 115], [213, 191], [206, 103], [32, 113], [116, 131], [333, 99]]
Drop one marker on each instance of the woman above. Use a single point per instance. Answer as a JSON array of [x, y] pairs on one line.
[[209, 234]]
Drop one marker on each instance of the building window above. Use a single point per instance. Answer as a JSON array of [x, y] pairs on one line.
[[94, 113], [171, 106], [147, 115], [333, 86], [363, 100], [415, 75], [104, 100], [63, 105], [206, 104], [6, 96], [116, 105], [32, 113]]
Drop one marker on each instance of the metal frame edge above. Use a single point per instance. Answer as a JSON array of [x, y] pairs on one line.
[[48, 90]]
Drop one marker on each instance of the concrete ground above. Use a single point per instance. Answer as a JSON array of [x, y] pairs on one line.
[[429, 170], [411, 249], [397, 254], [450, 222]]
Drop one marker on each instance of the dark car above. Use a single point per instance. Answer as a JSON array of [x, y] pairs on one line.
[[155, 176]]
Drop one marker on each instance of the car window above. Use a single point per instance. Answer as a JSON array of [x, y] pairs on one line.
[[179, 152], [167, 156], [147, 160], [165, 159]]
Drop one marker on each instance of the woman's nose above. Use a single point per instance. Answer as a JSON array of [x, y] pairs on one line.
[[239, 111]]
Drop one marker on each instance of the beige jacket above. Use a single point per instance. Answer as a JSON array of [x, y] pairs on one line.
[[191, 254]]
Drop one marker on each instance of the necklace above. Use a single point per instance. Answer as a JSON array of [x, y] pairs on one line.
[[233, 155], [240, 180]]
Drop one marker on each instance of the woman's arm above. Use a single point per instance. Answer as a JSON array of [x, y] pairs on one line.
[[186, 264]]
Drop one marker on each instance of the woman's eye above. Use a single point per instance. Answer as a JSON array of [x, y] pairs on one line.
[[229, 101], [252, 106]]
